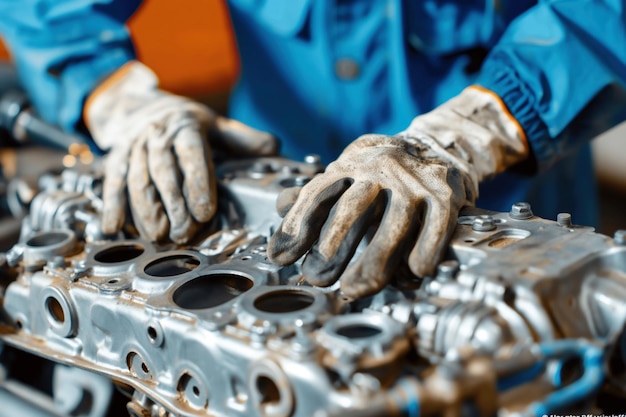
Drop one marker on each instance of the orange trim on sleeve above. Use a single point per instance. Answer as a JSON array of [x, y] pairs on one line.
[[105, 85], [506, 112]]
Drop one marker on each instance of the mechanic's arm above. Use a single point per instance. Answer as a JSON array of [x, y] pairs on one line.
[[75, 57], [555, 79]]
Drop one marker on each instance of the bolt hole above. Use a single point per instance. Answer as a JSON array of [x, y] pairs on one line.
[[469, 240], [172, 265], [152, 333], [359, 331], [113, 281], [19, 324], [55, 310], [246, 258], [268, 391], [121, 253], [196, 391], [144, 367]]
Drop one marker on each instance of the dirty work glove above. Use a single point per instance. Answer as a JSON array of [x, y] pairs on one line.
[[158, 154], [411, 187]]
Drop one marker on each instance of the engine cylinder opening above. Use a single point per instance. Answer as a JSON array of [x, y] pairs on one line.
[[358, 331], [284, 301], [121, 253], [170, 266], [55, 310], [210, 291], [269, 394], [47, 239]]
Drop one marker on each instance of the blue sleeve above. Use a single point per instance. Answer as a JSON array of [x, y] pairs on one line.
[[64, 48], [561, 70]]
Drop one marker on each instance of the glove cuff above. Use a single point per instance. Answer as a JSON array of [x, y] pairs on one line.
[[129, 100], [473, 131]]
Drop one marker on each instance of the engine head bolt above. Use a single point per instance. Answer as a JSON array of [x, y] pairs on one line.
[[564, 219], [483, 223], [57, 262], [447, 269], [312, 159], [521, 211], [620, 237]]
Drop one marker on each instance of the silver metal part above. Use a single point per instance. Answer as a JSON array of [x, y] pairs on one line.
[[521, 309]]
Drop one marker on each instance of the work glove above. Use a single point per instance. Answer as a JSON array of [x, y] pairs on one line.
[[158, 154], [409, 188]]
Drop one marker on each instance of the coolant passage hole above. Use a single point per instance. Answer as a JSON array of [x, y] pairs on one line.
[[46, 239], [358, 331], [268, 390], [210, 291], [120, 253], [172, 265], [283, 301], [55, 310]]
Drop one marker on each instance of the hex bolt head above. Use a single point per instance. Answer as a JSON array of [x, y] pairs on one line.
[[447, 270], [312, 159], [483, 223], [564, 219], [620, 237], [521, 211], [57, 262]]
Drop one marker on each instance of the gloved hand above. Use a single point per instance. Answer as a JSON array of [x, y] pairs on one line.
[[158, 153], [411, 186]]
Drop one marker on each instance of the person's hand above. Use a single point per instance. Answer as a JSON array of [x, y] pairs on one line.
[[411, 187], [159, 156]]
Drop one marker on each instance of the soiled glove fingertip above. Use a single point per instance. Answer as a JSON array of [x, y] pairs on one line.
[[357, 282], [203, 211], [269, 145], [319, 270], [279, 249], [422, 266], [356, 290], [111, 222]]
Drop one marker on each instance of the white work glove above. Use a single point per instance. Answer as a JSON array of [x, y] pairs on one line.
[[410, 186], [159, 155]]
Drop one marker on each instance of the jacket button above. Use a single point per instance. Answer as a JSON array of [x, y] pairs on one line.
[[347, 69]]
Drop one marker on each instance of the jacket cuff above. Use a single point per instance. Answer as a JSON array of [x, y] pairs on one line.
[[80, 78], [521, 103]]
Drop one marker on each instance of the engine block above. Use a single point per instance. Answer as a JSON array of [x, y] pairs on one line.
[[524, 317]]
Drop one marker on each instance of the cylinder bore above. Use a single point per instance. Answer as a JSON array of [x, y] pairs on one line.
[[358, 331], [119, 253], [170, 266], [55, 310], [47, 239], [211, 290], [283, 301]]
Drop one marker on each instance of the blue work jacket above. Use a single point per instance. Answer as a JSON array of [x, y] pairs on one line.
[[319, 73]]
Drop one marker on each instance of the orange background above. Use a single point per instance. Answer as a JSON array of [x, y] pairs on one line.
[[188, 43]]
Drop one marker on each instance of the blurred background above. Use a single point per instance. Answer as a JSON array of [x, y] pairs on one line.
[[195, 55]]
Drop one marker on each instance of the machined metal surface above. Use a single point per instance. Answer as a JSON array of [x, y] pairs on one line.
[[526, 316]]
